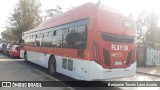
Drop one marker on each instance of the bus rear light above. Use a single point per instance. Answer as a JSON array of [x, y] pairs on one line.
[[129, 58], [96, 51], [134, 56], [88, 55], [106, 57]]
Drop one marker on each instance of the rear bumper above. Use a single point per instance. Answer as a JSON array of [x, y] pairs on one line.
[[119, 73], [99, 73]]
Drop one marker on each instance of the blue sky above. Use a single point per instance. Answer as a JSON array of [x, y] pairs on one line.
[[127, 6]]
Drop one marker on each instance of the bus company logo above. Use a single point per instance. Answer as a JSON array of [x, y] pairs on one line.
[[6, 84], [117, 54], [119, 47]]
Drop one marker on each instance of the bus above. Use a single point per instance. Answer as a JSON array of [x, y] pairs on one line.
[[89, 42]]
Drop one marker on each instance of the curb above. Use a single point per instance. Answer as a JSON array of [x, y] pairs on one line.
[[148, 74]]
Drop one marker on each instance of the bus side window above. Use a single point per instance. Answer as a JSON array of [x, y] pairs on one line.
[[83, 31], [50, 34], [59, 39], [74, 37], [65, 33], [73, 30], [54, 33], [36, 36], [45, 34], [81, 43], [71, 37], [41, 36], [31, 36]]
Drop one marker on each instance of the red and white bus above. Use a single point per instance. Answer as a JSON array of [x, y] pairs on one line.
[[89, 42]]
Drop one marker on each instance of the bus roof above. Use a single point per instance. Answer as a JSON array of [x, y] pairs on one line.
[[59, 19], [72, 15]]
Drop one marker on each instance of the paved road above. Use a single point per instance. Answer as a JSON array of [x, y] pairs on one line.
[[18, 70]]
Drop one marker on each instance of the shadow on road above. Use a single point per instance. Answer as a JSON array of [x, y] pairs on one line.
[[18, 69]]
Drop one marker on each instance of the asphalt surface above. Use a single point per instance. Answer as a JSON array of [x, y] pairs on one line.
[[19, 70]]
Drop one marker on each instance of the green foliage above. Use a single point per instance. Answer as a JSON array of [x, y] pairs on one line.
[[25, 16], [148, 27], [53, 12], [7, 35]]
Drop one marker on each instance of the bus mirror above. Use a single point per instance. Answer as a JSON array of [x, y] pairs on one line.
[[21, 41]]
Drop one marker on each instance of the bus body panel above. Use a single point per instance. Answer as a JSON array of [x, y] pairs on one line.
[[84, 69], [90, 63]]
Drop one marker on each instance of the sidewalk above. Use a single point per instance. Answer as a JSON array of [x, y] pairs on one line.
[[149, 70]]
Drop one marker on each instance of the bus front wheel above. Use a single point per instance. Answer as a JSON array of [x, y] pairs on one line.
[[52, 66]]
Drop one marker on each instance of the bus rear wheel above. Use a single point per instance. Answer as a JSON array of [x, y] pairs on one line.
[[52, 66]]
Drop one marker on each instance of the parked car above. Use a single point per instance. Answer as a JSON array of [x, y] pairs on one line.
[[6, 50], [14, 51], [3, 47]]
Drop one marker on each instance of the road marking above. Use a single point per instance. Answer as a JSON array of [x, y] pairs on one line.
[[54, 79], [11, 60]]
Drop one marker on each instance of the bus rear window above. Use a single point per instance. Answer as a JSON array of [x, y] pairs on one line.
[[117, 38]]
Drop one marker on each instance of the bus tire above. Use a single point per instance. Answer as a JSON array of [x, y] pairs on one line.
[[25, 56], [52, 66]]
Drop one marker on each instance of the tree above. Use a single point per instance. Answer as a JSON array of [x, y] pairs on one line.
[[53, 12], [7, 35], [26, 15], [147, 26]]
